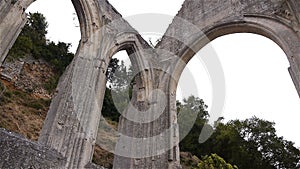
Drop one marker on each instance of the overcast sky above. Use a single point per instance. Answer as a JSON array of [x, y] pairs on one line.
[[255, 68]]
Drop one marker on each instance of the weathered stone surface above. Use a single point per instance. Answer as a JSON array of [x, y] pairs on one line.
[[12, 20], [17, 152], [10, 70], [93, 166], [72, 121], [29, 75], [207, 20]]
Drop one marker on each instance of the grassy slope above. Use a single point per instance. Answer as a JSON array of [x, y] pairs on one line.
[[24, 113], [21, 112]]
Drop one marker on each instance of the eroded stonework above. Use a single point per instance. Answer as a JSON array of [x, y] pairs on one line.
[[17, 152], [72, 121]]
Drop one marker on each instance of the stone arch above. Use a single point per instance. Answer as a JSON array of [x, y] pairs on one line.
[[279, 32], [87, 11], [212, 20], [72, 121]]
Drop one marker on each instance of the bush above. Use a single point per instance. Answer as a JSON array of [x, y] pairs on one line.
[[214, 162], [5, 96], [21, 48], [50, 86]]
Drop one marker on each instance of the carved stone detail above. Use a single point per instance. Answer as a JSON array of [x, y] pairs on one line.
[[284, 11]]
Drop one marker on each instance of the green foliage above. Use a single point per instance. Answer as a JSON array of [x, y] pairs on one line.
[[38, 104], [19, 94], [32, 42], [227, 142], [37, 24], [112, 67], [214, 162], [22, 47], [58, 55], [120, 80], [120, 76], [192, 111], [250, 144], [51, 84], [5, 95], [108, 109], [35, 105], [263, 144], [9, 95], [32, 37]]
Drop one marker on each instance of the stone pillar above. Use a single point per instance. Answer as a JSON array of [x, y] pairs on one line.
[[12, 20], [72, 121], [150, 138]]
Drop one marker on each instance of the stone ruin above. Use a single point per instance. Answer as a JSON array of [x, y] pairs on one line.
[[69, 133]]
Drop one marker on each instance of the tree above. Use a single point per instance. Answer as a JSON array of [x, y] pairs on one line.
[[32, 39], [227, 142], [214, 162], [191, 118], [112, 67], [261, 136], [250, 144], [32, 35], [36, 28], [58, 55], [120, 76], [118, 94]]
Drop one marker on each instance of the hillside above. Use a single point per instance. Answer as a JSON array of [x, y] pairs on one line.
[[25, 99]]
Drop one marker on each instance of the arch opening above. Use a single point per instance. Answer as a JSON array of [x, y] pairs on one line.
[[257, 83], [255, 25], [118, 93], [30, 72], [63, 24]]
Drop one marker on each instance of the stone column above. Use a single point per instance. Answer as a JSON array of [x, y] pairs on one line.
[[72, 121], [145, 140], [12, 20]]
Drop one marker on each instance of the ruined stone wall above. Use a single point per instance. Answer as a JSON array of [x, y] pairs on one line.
[[73, 118], [207, 20], [206, 15], [18, 152], [72, 121]]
